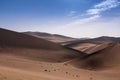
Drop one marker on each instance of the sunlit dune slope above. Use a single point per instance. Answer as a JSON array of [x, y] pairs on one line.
[[31, 47], [90, 48], [107, 58]]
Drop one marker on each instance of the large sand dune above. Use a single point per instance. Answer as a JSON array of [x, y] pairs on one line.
[[23, 57], [50, 37], [99, 40], [91, 45], [90, 48], [107, 58], [34, 48]]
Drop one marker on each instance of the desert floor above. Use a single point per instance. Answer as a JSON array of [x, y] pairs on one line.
[[18, 68]]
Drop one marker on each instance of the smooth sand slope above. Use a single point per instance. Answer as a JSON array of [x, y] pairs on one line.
[[35, 48], [99, 40], [24, 57], [50, 37], [93, 44], [107, 58], [18, 68], [90, 48]]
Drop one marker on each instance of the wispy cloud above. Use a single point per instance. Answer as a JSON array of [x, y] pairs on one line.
[[71, 13], [103, 6], [92, 24], [83, 21], [95, 12]]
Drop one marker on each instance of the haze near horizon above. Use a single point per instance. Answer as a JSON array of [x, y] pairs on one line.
[[75, 18]]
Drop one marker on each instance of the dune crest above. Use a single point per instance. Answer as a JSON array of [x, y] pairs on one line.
[[24, 57], [104, 59], [30, 47]]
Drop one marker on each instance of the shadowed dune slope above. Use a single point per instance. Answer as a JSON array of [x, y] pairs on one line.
[[26, 46], [107, 58], [14, 39], [24, 57]]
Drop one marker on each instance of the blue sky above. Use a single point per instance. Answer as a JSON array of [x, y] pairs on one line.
[[76, 18]]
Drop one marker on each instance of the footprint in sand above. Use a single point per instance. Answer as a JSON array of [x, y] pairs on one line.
[[54, 70], [77, 76], [91, 78], [47, 70], [66, 72]]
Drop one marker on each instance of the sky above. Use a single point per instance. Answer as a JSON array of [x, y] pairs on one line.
[[75, 18]]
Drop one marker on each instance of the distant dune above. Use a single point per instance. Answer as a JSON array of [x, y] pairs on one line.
[[50, 37], [26, 57], [90, 48], [99, 40], [91, 45], [107, 58], [35, 48]]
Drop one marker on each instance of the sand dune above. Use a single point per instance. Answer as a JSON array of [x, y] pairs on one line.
[[107, 58], [34, 48], [90, 48], [24, 57], [17, 68], [50, 37], [14, 39], [91, 45], [99, 40]]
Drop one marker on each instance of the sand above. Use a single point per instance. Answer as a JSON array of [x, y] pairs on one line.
[[24, 57], [107, 58], [17, 68], [90, 48], [50, 37]]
